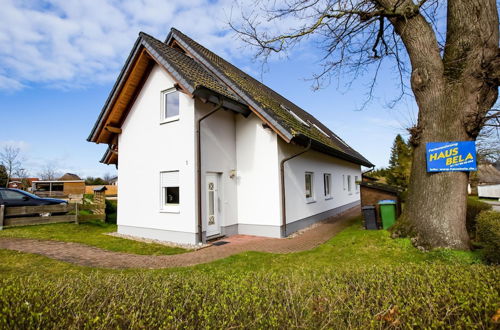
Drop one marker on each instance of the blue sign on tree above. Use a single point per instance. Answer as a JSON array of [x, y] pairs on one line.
[[451, 156]]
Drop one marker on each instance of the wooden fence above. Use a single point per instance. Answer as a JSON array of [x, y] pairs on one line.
[[36, 215]]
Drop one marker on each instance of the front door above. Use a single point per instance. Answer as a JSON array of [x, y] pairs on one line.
[[213, 204]]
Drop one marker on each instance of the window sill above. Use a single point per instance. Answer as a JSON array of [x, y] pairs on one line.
[[328, 198], [310, 201], [169, 120], [171, 209]]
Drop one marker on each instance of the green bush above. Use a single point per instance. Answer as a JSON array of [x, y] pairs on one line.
[[474, 207], [424, 296], [488, 233], [111, 207]]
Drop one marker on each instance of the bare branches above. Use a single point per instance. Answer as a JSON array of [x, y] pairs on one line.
[[10, 160], [351, 34]]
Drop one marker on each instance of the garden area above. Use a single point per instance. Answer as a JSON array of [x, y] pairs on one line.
[[357, 279]]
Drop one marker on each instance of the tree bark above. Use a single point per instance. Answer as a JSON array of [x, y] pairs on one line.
[[453, 94]]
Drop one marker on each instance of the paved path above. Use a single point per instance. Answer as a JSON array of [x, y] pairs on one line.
[[495, 205], [85, 255]]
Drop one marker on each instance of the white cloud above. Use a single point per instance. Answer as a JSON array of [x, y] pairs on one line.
[[74, 43], [22, 145]]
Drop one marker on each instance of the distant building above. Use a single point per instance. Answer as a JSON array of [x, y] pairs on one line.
[[68, 184], [488, 181], [22, 183], [113, 181]]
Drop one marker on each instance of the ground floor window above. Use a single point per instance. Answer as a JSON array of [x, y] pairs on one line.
[[170, 192], [356, 182], [309, 186], [349, 184], [327, 178]]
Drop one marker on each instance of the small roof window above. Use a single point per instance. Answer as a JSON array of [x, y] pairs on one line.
[[284, 107], [319, 129]]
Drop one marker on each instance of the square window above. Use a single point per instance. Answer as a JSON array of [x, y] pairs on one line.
[[309, 189], [172, 195], [170, 192], [170, 105], [327, 178]]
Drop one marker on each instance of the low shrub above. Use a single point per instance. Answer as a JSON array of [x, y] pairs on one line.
[[488, 234], [474, 207], [111, 208], [424, 296]]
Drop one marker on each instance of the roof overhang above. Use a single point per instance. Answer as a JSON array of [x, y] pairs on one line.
[[323, 148], [129, 83], [110, 157]]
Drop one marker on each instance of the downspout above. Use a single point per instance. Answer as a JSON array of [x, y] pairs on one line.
[[198, 165], [283, 197]]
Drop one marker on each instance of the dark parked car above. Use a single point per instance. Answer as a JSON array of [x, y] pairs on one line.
[[16, 197]]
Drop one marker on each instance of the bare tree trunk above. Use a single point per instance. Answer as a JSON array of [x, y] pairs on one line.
[[452, 107]]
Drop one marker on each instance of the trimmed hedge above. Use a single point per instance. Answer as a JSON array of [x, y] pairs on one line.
[[488, 233], [424, 296], [474, 207]]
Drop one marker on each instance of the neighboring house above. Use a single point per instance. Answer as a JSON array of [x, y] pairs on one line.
[[488, 181], [113, 181], [22, 183], [68, 184], [206, 150]]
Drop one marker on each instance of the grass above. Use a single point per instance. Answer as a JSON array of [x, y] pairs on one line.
[[358, 279], [90, 233]]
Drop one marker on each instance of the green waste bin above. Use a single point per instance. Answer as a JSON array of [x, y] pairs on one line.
[[387, 212]]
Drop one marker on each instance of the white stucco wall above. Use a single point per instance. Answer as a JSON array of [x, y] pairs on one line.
[[218, 155], [250, 202], [146, 148], [297, 207], [258, 174]]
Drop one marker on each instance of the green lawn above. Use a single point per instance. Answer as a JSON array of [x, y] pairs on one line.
[[358, 279], [90, 233]]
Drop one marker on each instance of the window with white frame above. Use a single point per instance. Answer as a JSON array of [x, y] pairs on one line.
[[169, 105], [349, 184], [356, 182], [327, 181], [170, 198], [309, 193]]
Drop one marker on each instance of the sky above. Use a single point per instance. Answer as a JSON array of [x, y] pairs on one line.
[[60, 58]]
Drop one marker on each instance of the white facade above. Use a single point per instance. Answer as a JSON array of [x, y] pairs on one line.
[[147, 148], [240, 168]]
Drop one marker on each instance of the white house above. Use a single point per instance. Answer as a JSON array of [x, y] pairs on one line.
[[205, 150]]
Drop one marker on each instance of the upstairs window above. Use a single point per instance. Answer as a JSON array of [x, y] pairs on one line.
[[169, 105], [309, 192], [170, 197], [328, 185]]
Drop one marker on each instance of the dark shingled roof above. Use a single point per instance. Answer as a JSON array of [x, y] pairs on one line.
[[273, 105], [210, 76], [192, 73]]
